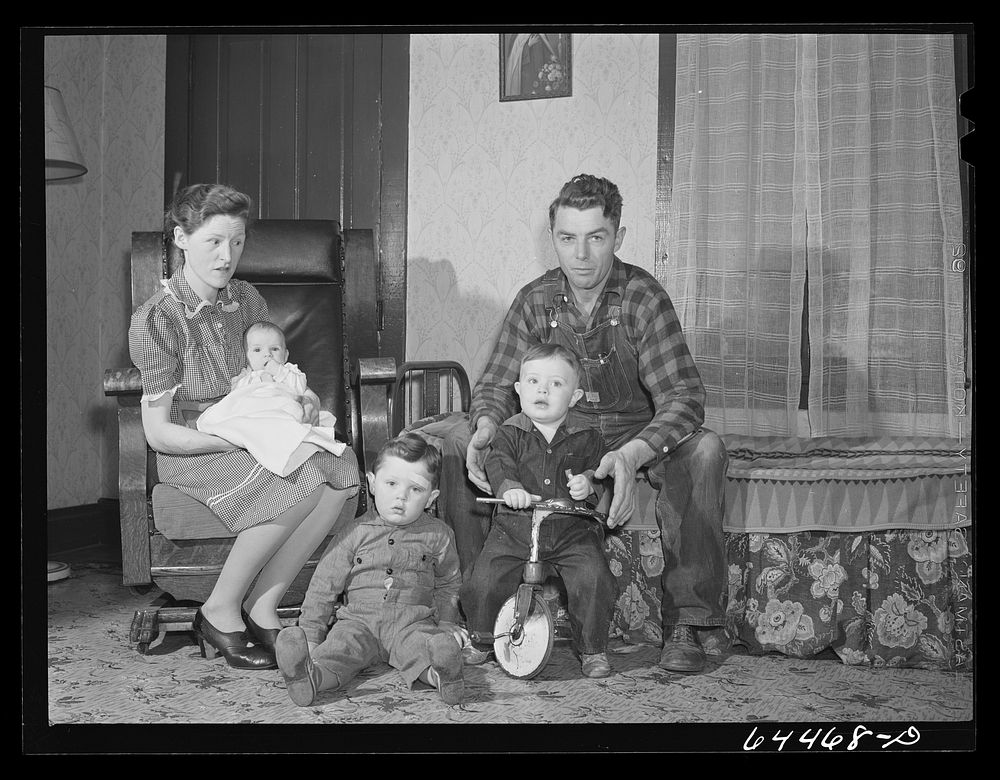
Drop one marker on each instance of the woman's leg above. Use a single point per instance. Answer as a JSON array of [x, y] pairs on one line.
[[251, 550], [255, 552], [287, 561]]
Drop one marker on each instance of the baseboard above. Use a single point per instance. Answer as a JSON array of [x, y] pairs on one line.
[[75, 527]]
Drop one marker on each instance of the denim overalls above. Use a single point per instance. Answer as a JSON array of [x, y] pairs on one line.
[[610, 363], [690, 482]]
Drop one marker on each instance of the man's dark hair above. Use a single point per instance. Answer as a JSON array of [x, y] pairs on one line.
[[585, 192]]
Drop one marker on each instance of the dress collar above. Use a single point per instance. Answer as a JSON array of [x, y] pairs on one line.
[[177, 287]]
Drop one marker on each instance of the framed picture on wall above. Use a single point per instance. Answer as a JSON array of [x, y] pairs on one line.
[[535, 65]]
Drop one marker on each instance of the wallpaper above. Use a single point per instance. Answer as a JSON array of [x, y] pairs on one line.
[[482, 174], [113, 88]]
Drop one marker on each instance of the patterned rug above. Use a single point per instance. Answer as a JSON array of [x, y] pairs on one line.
[[96, 677]]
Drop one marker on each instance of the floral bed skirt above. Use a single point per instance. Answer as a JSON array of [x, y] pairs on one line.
[[889, 598]]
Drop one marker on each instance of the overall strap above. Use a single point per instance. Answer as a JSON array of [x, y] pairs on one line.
[[554, 299]]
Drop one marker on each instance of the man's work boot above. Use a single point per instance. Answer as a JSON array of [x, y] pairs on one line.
[[682, 651]]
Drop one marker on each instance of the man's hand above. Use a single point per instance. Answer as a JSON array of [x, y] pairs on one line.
[[475, 454], [621, 465]]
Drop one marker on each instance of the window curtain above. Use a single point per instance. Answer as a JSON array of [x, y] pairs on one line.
[[827, 161]]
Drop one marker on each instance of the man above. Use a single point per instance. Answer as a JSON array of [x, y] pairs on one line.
[[642, 390]]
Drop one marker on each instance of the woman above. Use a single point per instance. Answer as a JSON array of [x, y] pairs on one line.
[[187, 342]]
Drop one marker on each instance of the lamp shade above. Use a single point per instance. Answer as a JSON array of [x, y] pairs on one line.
[[62, 153]]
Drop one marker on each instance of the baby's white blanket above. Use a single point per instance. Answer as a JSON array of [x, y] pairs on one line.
[[267, 421]]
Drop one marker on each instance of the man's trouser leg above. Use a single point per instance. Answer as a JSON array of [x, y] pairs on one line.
[[457, 505], [690, 501]]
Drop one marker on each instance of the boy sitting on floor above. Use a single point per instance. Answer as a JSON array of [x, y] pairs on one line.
[[399, 570]]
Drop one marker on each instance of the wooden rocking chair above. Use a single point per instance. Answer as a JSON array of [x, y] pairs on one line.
[[320, 286]]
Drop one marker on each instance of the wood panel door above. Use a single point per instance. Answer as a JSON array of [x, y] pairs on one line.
[[312, 126]]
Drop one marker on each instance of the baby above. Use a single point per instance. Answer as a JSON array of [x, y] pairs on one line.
[[546, 451], [398, 569], [267, 361], [270, 410]]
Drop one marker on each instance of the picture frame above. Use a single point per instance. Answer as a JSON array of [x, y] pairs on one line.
[[535, 65]]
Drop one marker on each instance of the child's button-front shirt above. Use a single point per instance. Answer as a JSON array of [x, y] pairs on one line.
[[520, 456], [375, 562]]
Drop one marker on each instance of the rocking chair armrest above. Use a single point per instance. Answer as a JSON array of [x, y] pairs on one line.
[[373, 371], [121, 381], [375, 379], [133, 475]]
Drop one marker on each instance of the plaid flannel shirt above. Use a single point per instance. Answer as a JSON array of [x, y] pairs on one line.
[[665, 367]]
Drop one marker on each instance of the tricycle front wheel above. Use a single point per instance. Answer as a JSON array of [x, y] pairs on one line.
[[525, 655]]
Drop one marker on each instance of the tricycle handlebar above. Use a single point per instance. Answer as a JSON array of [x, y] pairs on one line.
[[560, 505]]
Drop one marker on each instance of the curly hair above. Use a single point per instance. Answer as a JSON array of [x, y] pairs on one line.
[[585, 191], [193, 206]]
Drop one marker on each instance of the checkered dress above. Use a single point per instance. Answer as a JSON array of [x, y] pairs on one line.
[[183, 345]]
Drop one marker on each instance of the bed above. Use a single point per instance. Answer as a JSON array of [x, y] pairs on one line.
[[858, 546]]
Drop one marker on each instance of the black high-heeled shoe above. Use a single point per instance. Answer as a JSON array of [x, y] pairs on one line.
[[266, 636], [236, 647]]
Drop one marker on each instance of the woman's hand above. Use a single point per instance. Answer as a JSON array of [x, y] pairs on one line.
[[310, 407], [172, 439]]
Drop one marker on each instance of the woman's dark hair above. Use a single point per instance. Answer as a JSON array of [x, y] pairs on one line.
[[413, 449], [193, 206], [585, 192]]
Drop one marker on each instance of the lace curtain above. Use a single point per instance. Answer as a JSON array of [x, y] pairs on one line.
[[826, 163]]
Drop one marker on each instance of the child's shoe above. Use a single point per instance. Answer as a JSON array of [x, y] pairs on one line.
[[295, 664], [474, 656], [595, 664], [446, 662]]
